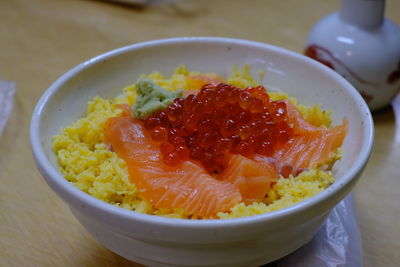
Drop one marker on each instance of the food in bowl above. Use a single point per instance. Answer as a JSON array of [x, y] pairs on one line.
[[200, 146], [160, 241]]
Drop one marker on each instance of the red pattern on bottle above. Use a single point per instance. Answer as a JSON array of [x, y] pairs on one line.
[[314, 51], [394, 76]]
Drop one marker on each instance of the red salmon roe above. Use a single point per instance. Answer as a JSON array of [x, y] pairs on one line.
[[159, 133], [217, 121]]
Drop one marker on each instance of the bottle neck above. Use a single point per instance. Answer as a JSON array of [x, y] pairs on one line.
[[363, 13]]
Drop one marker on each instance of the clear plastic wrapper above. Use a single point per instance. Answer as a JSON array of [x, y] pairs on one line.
[[7, 91], [337, 243]]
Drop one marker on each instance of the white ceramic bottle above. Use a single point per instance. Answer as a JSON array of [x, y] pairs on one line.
[[362, 46]]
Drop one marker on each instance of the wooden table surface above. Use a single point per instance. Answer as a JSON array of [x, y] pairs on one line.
[[41, 39]]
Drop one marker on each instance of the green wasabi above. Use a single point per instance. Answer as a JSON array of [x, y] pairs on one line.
[[152, 97]]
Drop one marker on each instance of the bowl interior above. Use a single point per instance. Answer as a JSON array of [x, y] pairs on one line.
[[308, 81]]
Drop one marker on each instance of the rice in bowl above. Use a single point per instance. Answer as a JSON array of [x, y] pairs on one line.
[[86, 161]]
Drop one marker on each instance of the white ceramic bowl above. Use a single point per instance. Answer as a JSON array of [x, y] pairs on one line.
[[158, 241]]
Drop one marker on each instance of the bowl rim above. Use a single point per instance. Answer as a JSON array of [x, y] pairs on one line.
[[54, 178]]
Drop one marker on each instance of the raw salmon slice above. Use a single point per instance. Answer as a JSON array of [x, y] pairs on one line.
[[187, 186], [253, 179], [297, 120], [195, 82], [125, 108], [310, 144]]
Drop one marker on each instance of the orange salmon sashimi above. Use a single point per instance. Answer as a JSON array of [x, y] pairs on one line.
[[195, 82], [254, 179], [187, 186], [125, 108], [311, 145]]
